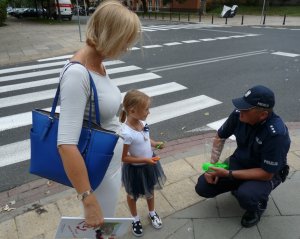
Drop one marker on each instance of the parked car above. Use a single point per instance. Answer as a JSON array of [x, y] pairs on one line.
[[31, 12]]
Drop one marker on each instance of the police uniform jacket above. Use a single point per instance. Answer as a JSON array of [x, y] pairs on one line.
[[264, 145]]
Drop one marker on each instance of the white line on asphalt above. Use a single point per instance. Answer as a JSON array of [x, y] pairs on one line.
[[122, 69], [29, 75], [238, 36], [135, 78], [279, 53], [28, 85], [15, 153], [172, 43], [26, 98], [32, 67], [207, 39], [222, 38], [134, 48], [217, 124], [57, 70], [51, 64], [152, 46], [56, 58], [190, 41], [20, 151], [48, 94], [161, 89], [179, 108], [206, 61], [18, 120]]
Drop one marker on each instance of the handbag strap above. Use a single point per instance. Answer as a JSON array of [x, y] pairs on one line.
[[93, 89]]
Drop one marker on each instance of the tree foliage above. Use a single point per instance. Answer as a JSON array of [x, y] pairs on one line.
[[3, 13]]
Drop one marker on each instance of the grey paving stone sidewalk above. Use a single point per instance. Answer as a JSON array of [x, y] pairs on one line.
[[184, 213]]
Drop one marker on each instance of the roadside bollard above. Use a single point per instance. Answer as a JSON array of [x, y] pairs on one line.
[[264, 21], [200, 17], [284, 19], [212, 19], [188, 17], [242, 23], [179, 16], [226, 20]]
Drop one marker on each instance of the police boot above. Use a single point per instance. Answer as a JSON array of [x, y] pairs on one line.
[[251, 218]]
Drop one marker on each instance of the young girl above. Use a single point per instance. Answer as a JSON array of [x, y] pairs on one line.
[[141, 172]]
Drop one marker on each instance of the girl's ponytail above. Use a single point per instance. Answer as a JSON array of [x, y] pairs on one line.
[[122, 117]]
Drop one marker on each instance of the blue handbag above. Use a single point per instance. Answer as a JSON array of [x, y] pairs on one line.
[[96, 144]]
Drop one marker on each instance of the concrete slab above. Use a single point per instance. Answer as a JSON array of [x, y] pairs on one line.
[[212, 228], [181, 194], [280, 227], [38, 222], [8, 230], [287, 198], [204, 209]]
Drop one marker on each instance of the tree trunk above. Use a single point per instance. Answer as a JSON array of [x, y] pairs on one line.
[[145, 9]]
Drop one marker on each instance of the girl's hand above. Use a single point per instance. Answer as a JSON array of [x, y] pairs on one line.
[[92, 211], [150, 161], [159, 145]]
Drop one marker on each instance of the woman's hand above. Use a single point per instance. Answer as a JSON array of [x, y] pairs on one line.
[[92, 211]]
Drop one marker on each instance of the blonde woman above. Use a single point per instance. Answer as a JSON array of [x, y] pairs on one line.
[[111, 31]]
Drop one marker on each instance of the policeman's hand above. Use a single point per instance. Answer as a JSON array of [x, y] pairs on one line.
[[92, 211], [210, 178], [220, 172]]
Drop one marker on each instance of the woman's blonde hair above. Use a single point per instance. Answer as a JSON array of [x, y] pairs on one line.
[[112, 29], [132, 100]]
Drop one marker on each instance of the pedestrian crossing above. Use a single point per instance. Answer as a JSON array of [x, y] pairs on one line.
[[154, 28], [37, 83]]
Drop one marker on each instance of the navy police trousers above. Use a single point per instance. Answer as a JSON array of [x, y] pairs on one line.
[[251, 195]]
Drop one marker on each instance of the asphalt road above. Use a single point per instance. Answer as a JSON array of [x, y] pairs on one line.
[[217, 63]]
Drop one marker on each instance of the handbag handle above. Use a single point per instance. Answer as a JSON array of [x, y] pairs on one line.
[[93, 89]]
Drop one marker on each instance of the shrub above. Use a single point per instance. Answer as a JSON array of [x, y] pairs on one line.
[[3, 13]]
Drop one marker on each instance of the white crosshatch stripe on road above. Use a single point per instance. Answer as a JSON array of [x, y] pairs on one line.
[[55, 58], [27, 98], [172, 43], [135, 78], [32, 67], [58, 70], [28, 85], [15, 153], [279, 53], [191, 41], [207, 39], [217, 124], [161, 89], [180, 108], [24, 119], [20, 151], [152, 46], [51, 64]]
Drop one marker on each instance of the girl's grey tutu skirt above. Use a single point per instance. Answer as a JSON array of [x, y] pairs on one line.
[[141, 180]]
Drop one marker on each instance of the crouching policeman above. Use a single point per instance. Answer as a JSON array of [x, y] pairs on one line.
[[259, 163]]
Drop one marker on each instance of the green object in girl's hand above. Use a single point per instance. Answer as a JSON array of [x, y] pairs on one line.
[[206, 166], [159, 145]]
